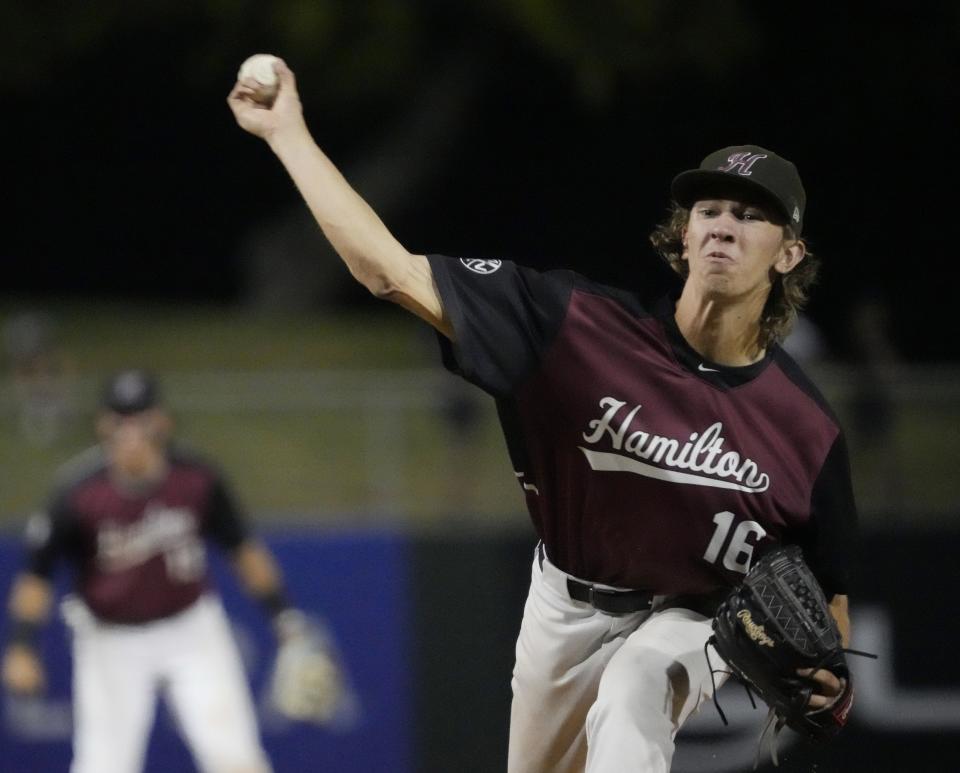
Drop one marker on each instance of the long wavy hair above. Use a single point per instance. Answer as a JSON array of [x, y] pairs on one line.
[[788, 292]]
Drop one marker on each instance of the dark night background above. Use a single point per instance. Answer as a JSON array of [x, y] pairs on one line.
[[549, 133]]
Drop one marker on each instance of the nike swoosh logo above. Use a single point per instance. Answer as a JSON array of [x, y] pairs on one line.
[[703, 368]]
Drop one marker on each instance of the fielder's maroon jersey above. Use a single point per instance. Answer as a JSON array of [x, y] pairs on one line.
[[138, 555], [644, 465]]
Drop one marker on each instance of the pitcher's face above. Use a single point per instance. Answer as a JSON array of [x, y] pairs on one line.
[[732, 246]]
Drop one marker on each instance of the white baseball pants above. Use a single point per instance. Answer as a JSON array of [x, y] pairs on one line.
[[193, 659], [602, 693]]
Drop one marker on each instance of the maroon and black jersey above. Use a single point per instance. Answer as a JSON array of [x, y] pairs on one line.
[[644, 465], [138, 555]]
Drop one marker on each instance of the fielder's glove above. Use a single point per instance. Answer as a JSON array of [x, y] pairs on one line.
[[307, 683], [776, 622]]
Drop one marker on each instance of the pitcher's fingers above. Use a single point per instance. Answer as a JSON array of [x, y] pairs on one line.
[[241, 95], [288, 81], [239, 91], [831, 683]]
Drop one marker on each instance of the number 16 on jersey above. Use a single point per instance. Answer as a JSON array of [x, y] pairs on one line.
[[739, 550]]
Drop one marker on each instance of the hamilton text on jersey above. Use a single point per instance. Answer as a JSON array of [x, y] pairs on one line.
[[703, 452], [161, 529]]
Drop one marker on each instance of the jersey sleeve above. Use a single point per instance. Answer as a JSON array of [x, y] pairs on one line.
[[50, 534], [504, 317], [225, 524], [830, 538]]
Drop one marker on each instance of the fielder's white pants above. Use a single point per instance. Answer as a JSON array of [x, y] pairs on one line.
[[603, 693], [118, 671]]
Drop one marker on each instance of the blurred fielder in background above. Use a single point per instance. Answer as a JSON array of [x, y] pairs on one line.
[[132, 516], [659, 441]]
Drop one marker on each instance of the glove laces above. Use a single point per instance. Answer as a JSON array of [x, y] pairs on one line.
[[774, 723]]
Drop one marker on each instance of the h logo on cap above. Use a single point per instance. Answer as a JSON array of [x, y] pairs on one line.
[[741, 162]]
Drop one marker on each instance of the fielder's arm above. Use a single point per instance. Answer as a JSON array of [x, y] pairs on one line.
[[31, 599], [256, 568], [262, 579], [372, 254]]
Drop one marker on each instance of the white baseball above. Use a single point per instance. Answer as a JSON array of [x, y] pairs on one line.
[[259, 68]]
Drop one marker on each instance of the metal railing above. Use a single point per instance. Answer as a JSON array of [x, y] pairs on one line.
[[420, 444]]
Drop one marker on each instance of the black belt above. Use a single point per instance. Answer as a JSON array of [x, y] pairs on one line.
[[609, 600], [613, 602]]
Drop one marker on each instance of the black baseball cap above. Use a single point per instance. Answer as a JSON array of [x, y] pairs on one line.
[[130, 391], [750, 168]]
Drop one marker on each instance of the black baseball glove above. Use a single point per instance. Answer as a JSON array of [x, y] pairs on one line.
[[776, 622]]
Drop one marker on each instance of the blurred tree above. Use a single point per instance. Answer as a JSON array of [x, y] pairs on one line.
[[623, 38], [369, 49]]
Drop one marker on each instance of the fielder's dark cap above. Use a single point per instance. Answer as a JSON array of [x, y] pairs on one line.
[[749, 168], [130, 391]]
